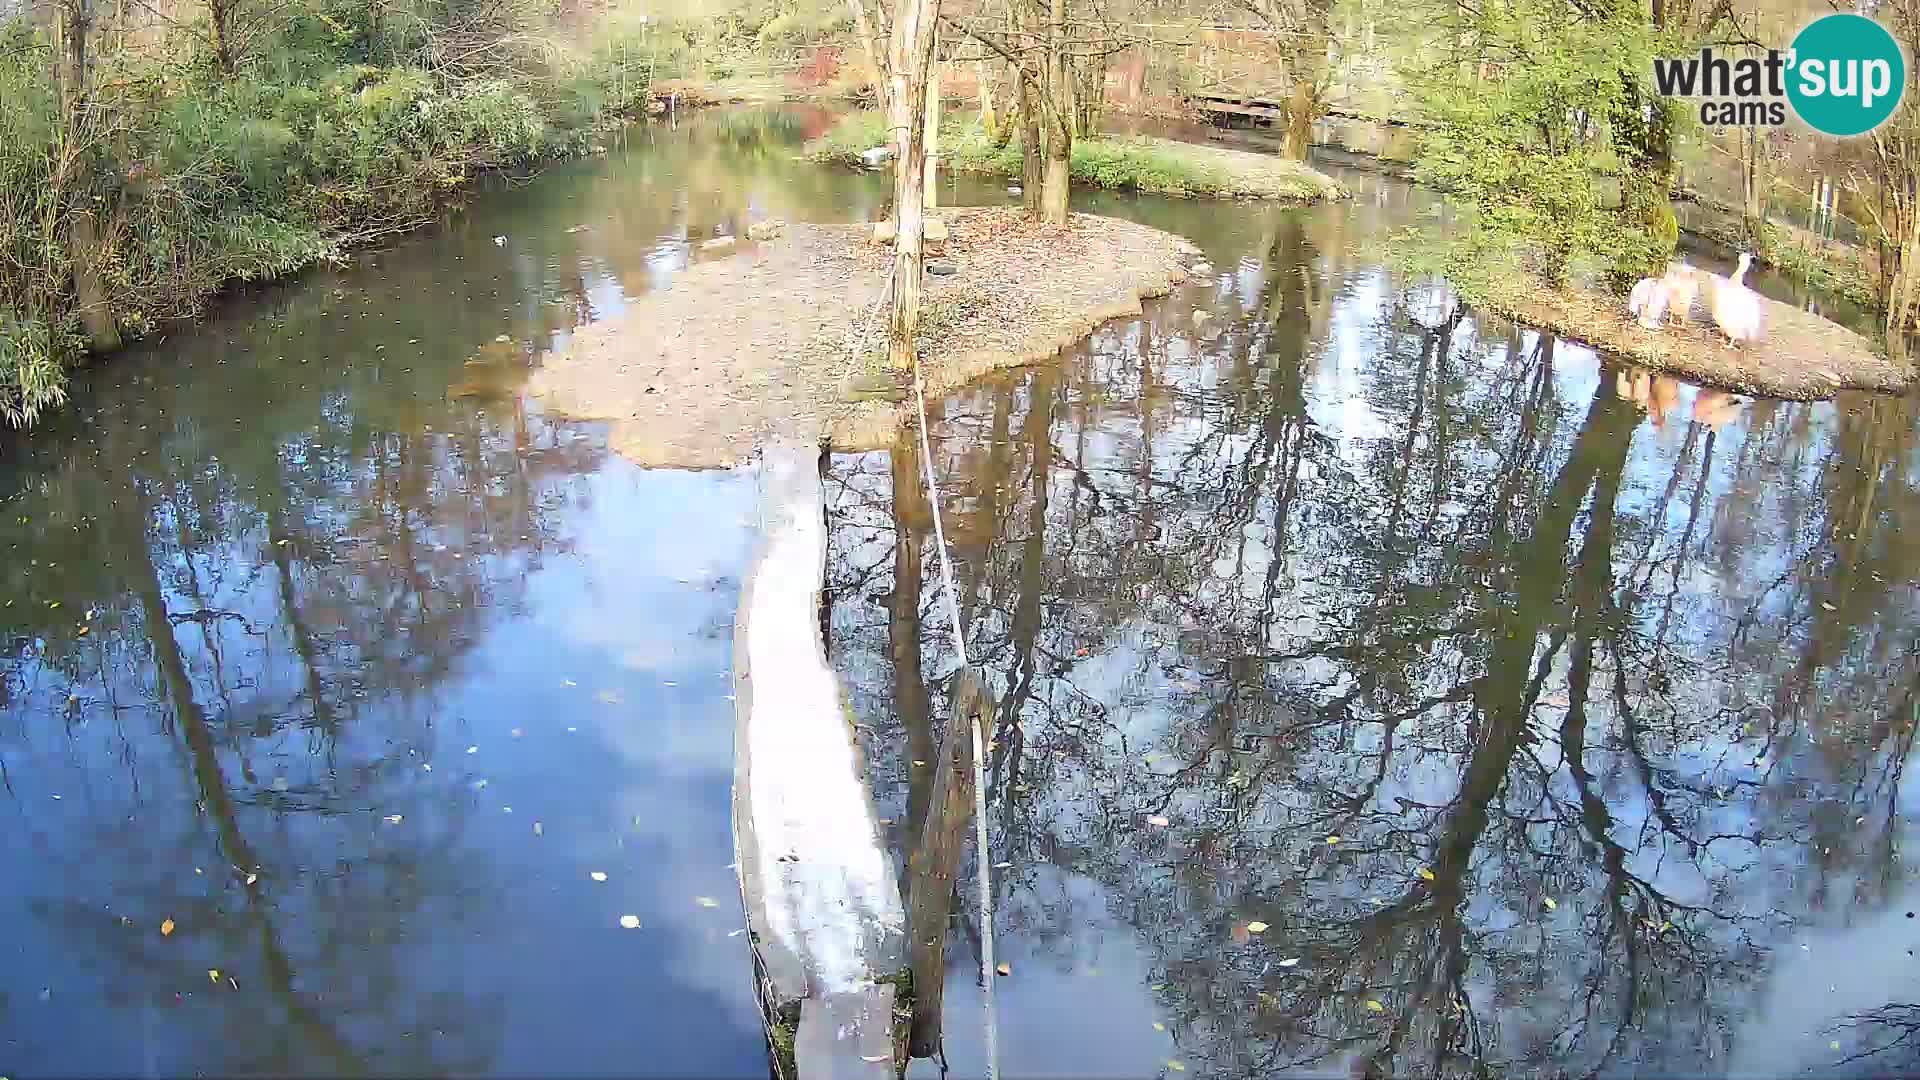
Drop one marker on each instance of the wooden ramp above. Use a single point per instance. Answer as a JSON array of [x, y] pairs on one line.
[[823, 905]]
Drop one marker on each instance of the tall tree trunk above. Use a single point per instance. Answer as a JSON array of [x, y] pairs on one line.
[[1059, 118], [996, 132], [932, 184], [1754, 184], [1032, 145], [83, 240], [914, 40], [1055, 187]]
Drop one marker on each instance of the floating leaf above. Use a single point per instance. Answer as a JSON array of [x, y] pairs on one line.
[[1552, 904], [1256, 927], [1158, 822], [1005, 969], [1426, 874], [1834, 1045], [473, 749], [1290, 961], [598, 875], [1374, 1006], [876, 1057], [166, 927], [1333, 839], [539, 829], [393, 819], [251, 878], [213, 974], [706, 901], [1177, 1066], [630, 922], [1158, 1026]]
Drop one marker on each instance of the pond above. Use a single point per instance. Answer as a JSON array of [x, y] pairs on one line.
[[1382, 689]]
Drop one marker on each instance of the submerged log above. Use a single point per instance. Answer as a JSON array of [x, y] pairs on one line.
[[935, 861], [823, 908]]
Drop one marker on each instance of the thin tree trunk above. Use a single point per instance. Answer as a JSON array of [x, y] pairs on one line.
[[989, 118], [914, 42], [1031, 145], [932, 185]]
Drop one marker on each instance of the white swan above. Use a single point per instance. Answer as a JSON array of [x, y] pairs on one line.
[[1648, 303], [1736, 308], [1671, 294]]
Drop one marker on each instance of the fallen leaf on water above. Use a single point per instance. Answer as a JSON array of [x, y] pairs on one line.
[[473, 749], [213, 974], [1005, 969], [1834, 1045], [568, 682], [539, 829], [630, 922], [1826, 606], [1158, 1026], [608, 697], [251, 878], [1177, 1066], [1001, 865], [1290, 961], [393, 819], [1426, 874], [516, 733], [1256, 927], [598, 875], [166, 927], [1551, 903], [1158, 821], [1374, 1006], [876, 1057], [706, 901], [1333, 839]]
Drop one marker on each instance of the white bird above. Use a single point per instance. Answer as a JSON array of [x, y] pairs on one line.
[[1736, 308], [1649, 302]]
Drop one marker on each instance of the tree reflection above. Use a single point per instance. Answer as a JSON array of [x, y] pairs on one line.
[[1528, 727]]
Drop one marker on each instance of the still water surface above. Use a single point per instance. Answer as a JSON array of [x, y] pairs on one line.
[[1543, 736]]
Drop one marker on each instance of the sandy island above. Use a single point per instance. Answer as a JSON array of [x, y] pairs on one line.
[[755, 342], [1804, 357]]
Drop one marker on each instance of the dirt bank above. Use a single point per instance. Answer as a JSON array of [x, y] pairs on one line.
[[756, 341], [1804, 357]]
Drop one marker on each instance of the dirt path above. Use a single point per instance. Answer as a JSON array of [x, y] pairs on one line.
[[1803, 358], [755, 342]]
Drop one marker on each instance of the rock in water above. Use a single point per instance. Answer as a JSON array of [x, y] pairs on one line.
[[718, 243], [942, 268], [765, 230]]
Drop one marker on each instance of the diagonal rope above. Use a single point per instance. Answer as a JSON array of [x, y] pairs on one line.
[[979, 754]]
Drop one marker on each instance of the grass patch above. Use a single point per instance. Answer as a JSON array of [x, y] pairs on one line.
[[1154, 166]]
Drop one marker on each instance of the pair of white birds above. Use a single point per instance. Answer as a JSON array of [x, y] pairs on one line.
[[1736, 309]]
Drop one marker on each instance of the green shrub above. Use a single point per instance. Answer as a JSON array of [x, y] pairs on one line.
[[329, 130]]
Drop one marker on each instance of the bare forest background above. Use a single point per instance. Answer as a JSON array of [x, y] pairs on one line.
[[154, 151]]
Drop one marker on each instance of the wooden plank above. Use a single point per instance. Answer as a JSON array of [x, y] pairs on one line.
[[1272, 112], [936, 859], [823, 905]]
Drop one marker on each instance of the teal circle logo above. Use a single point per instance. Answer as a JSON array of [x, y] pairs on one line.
[[1846, 75]]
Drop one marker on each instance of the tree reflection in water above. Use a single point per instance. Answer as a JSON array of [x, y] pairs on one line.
[[1533, 731]]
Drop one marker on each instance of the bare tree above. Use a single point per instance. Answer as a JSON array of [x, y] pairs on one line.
[[903, 64]]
